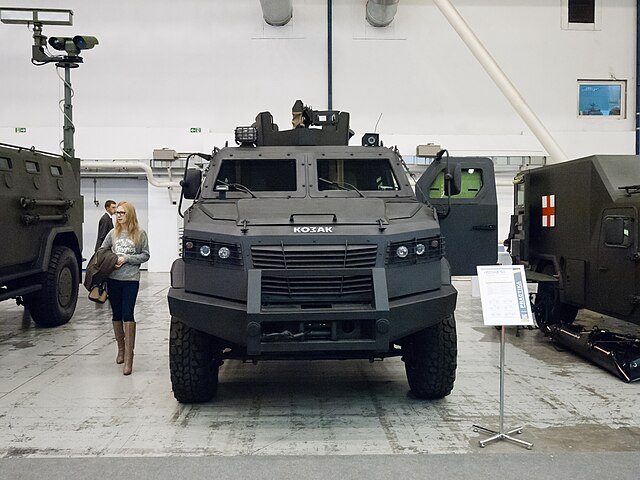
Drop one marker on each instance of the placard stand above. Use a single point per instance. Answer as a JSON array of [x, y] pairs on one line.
[[505, 301], [500, 435]]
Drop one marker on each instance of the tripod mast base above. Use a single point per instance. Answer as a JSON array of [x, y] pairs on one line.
[[502, 436]]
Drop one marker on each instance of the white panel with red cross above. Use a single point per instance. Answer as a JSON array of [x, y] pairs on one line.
[[548, 211]]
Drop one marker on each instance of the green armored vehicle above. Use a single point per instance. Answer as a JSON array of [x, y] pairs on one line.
[[41, 222], [298, 246]]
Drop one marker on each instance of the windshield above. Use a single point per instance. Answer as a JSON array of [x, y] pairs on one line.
[[356, 174], [263, 175]]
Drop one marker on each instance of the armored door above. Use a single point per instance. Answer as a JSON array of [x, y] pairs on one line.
[[468, 220], [618, 261]]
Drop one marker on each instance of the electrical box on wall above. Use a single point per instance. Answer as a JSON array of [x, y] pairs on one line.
[[428, 150], [164, 154]]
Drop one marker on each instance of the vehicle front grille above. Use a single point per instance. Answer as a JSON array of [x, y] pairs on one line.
[[283, 257], [315, 290]]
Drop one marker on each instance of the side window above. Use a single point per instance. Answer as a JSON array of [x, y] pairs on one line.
[[617, 231], [56, 170], [5, 163], [32, 167], [520, 194], [472, 182]]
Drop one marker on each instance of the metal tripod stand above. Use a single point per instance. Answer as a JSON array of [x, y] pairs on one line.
[[500, 435]]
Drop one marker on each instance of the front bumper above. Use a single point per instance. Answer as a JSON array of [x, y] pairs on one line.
[[350, 330]]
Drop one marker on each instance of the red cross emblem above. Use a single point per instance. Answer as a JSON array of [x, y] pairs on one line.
[[548, 210]]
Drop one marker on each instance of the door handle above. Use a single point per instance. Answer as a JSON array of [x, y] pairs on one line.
[[483, 227]]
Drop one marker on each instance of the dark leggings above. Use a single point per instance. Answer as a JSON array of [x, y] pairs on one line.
[[122, 297]]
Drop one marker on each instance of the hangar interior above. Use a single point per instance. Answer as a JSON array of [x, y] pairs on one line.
[[168, 79]]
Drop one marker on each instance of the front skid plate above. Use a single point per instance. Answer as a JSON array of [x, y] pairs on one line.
[[230, 322]]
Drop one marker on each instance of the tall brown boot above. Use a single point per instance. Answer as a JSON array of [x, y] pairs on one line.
[[129, 344], [118, 329]]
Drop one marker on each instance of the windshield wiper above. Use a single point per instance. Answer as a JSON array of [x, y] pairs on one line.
[[237, 186], [343, 186]]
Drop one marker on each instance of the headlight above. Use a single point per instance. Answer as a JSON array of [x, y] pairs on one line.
[[413, 251], [217, 253]]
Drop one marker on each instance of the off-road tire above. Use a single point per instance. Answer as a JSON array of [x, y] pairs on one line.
[[549, 310], [55, 303], [430, 359], [194, 361]]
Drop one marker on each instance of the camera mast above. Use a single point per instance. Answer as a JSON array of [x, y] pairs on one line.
[[71, 46]]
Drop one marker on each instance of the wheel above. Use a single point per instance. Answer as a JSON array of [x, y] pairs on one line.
[[194, 360], [55, 303], [430, 359], [549, 310]]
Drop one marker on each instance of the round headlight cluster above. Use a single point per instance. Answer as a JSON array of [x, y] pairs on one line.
[[402, 251], [224, 253], [420, 249], [205, 250]]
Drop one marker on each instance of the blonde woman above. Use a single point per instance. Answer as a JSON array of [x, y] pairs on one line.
[[130, 243]]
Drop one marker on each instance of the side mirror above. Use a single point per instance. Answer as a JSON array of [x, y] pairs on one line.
[[191, 183], [453, 181]]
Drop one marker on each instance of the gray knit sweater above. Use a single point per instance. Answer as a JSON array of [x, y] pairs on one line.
[[134, 255]]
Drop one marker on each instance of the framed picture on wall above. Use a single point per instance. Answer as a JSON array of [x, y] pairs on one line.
[[598, 98]]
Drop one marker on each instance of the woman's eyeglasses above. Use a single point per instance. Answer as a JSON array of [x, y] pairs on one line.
[[121, 213]]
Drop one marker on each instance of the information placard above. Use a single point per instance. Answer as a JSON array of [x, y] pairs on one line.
[[504, 295]]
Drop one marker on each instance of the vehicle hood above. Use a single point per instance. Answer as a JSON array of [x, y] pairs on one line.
[[305, 211]]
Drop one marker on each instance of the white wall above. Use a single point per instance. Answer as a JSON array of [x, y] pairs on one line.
[[131, 190], [163, 67]]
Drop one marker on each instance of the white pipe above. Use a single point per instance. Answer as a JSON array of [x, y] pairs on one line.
[[127, 166], [501, 80]]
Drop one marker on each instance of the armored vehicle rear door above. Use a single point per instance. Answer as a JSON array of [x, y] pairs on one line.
[[468, 220], [617, 260]]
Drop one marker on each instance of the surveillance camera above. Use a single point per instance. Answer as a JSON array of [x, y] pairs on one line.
[[61, 43], [371, 140], [85, 42], [72, 46]]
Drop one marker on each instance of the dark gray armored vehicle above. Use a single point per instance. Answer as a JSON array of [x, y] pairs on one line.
[[298, 246], [41, 222], [575, 226]]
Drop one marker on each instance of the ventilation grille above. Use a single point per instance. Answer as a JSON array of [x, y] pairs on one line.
[[317, 289], [282, 257]]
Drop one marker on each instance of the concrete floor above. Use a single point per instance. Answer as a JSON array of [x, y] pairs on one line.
[[62, 395]]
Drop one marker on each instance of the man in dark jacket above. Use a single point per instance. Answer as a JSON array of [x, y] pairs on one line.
[[105, 224]]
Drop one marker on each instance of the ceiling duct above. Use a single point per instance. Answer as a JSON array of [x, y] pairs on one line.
[[277, 12], [381, 13]]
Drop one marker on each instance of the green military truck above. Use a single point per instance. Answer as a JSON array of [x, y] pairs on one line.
[[41, 222], [299, 246]]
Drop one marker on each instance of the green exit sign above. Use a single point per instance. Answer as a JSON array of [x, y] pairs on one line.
[[21, 130], [195, 130]]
